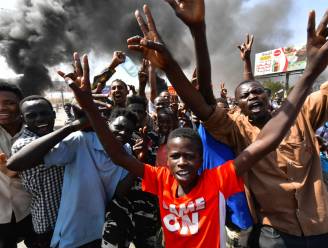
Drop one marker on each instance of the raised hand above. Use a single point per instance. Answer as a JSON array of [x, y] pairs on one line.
[[224, 91], [246, 47], [118, 58], [141, 146], [150, 45], [317, 45], [143, 73], [191, 12], [80, 83], [132, 89]]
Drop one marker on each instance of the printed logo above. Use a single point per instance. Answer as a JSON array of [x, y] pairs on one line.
[[183, 218]]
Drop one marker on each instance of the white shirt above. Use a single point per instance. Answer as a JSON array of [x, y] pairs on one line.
[[13, 197]]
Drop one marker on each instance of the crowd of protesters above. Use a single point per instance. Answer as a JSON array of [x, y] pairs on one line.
[[168, 170]]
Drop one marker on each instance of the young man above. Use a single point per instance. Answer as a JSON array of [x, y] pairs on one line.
[[43, 183], [90, 179], [189, 205], [99, 81], [138, 105], [119, 91], [292, 172], [161, 102], [166, 122], [15, 219]]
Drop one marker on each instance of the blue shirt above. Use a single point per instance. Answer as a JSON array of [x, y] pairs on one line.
[[324, 162], [90, 180], [216, 154], [323, 131]]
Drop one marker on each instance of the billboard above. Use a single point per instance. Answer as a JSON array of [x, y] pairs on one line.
[[280, 60]]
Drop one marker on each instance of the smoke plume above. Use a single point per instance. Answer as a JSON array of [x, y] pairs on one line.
[[43, 33]]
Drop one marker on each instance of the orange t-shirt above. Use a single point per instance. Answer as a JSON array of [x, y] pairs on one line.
[[193, 220]]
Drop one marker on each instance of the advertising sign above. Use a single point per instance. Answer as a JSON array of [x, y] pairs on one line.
[[280, 60]]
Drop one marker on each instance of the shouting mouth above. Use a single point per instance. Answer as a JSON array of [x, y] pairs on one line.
[[117, 96], [256, 106]]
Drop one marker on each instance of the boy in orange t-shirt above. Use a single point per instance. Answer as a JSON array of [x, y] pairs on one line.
[[192, 219]]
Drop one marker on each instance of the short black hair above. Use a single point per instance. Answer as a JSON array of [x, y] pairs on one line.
[[125, 113], [137, 100], [168, 111], [35, 98], [188, 133], [4, 86], [245, 82], [120, 81]]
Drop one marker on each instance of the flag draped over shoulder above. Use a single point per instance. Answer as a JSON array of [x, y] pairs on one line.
[[216, 154]]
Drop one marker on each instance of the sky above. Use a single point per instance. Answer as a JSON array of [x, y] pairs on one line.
[[297, 22], [298, 17]]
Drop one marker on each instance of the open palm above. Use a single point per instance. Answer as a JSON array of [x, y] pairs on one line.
[[191, 12]]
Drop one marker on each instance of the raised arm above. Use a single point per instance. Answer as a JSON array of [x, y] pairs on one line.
[[192, 13], [152, 82], [143, 78], [100, 80], [245, 55], [155, 50], [140, 150], [275, 129], [82, 91], [224, 91], [32, 154]]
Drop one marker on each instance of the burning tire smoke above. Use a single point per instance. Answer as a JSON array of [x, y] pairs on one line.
[[43, 33]]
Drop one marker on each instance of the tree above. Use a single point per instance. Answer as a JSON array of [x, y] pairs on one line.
[[273, 86]]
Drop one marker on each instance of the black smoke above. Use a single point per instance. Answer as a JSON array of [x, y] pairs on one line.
[[43, 33]]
